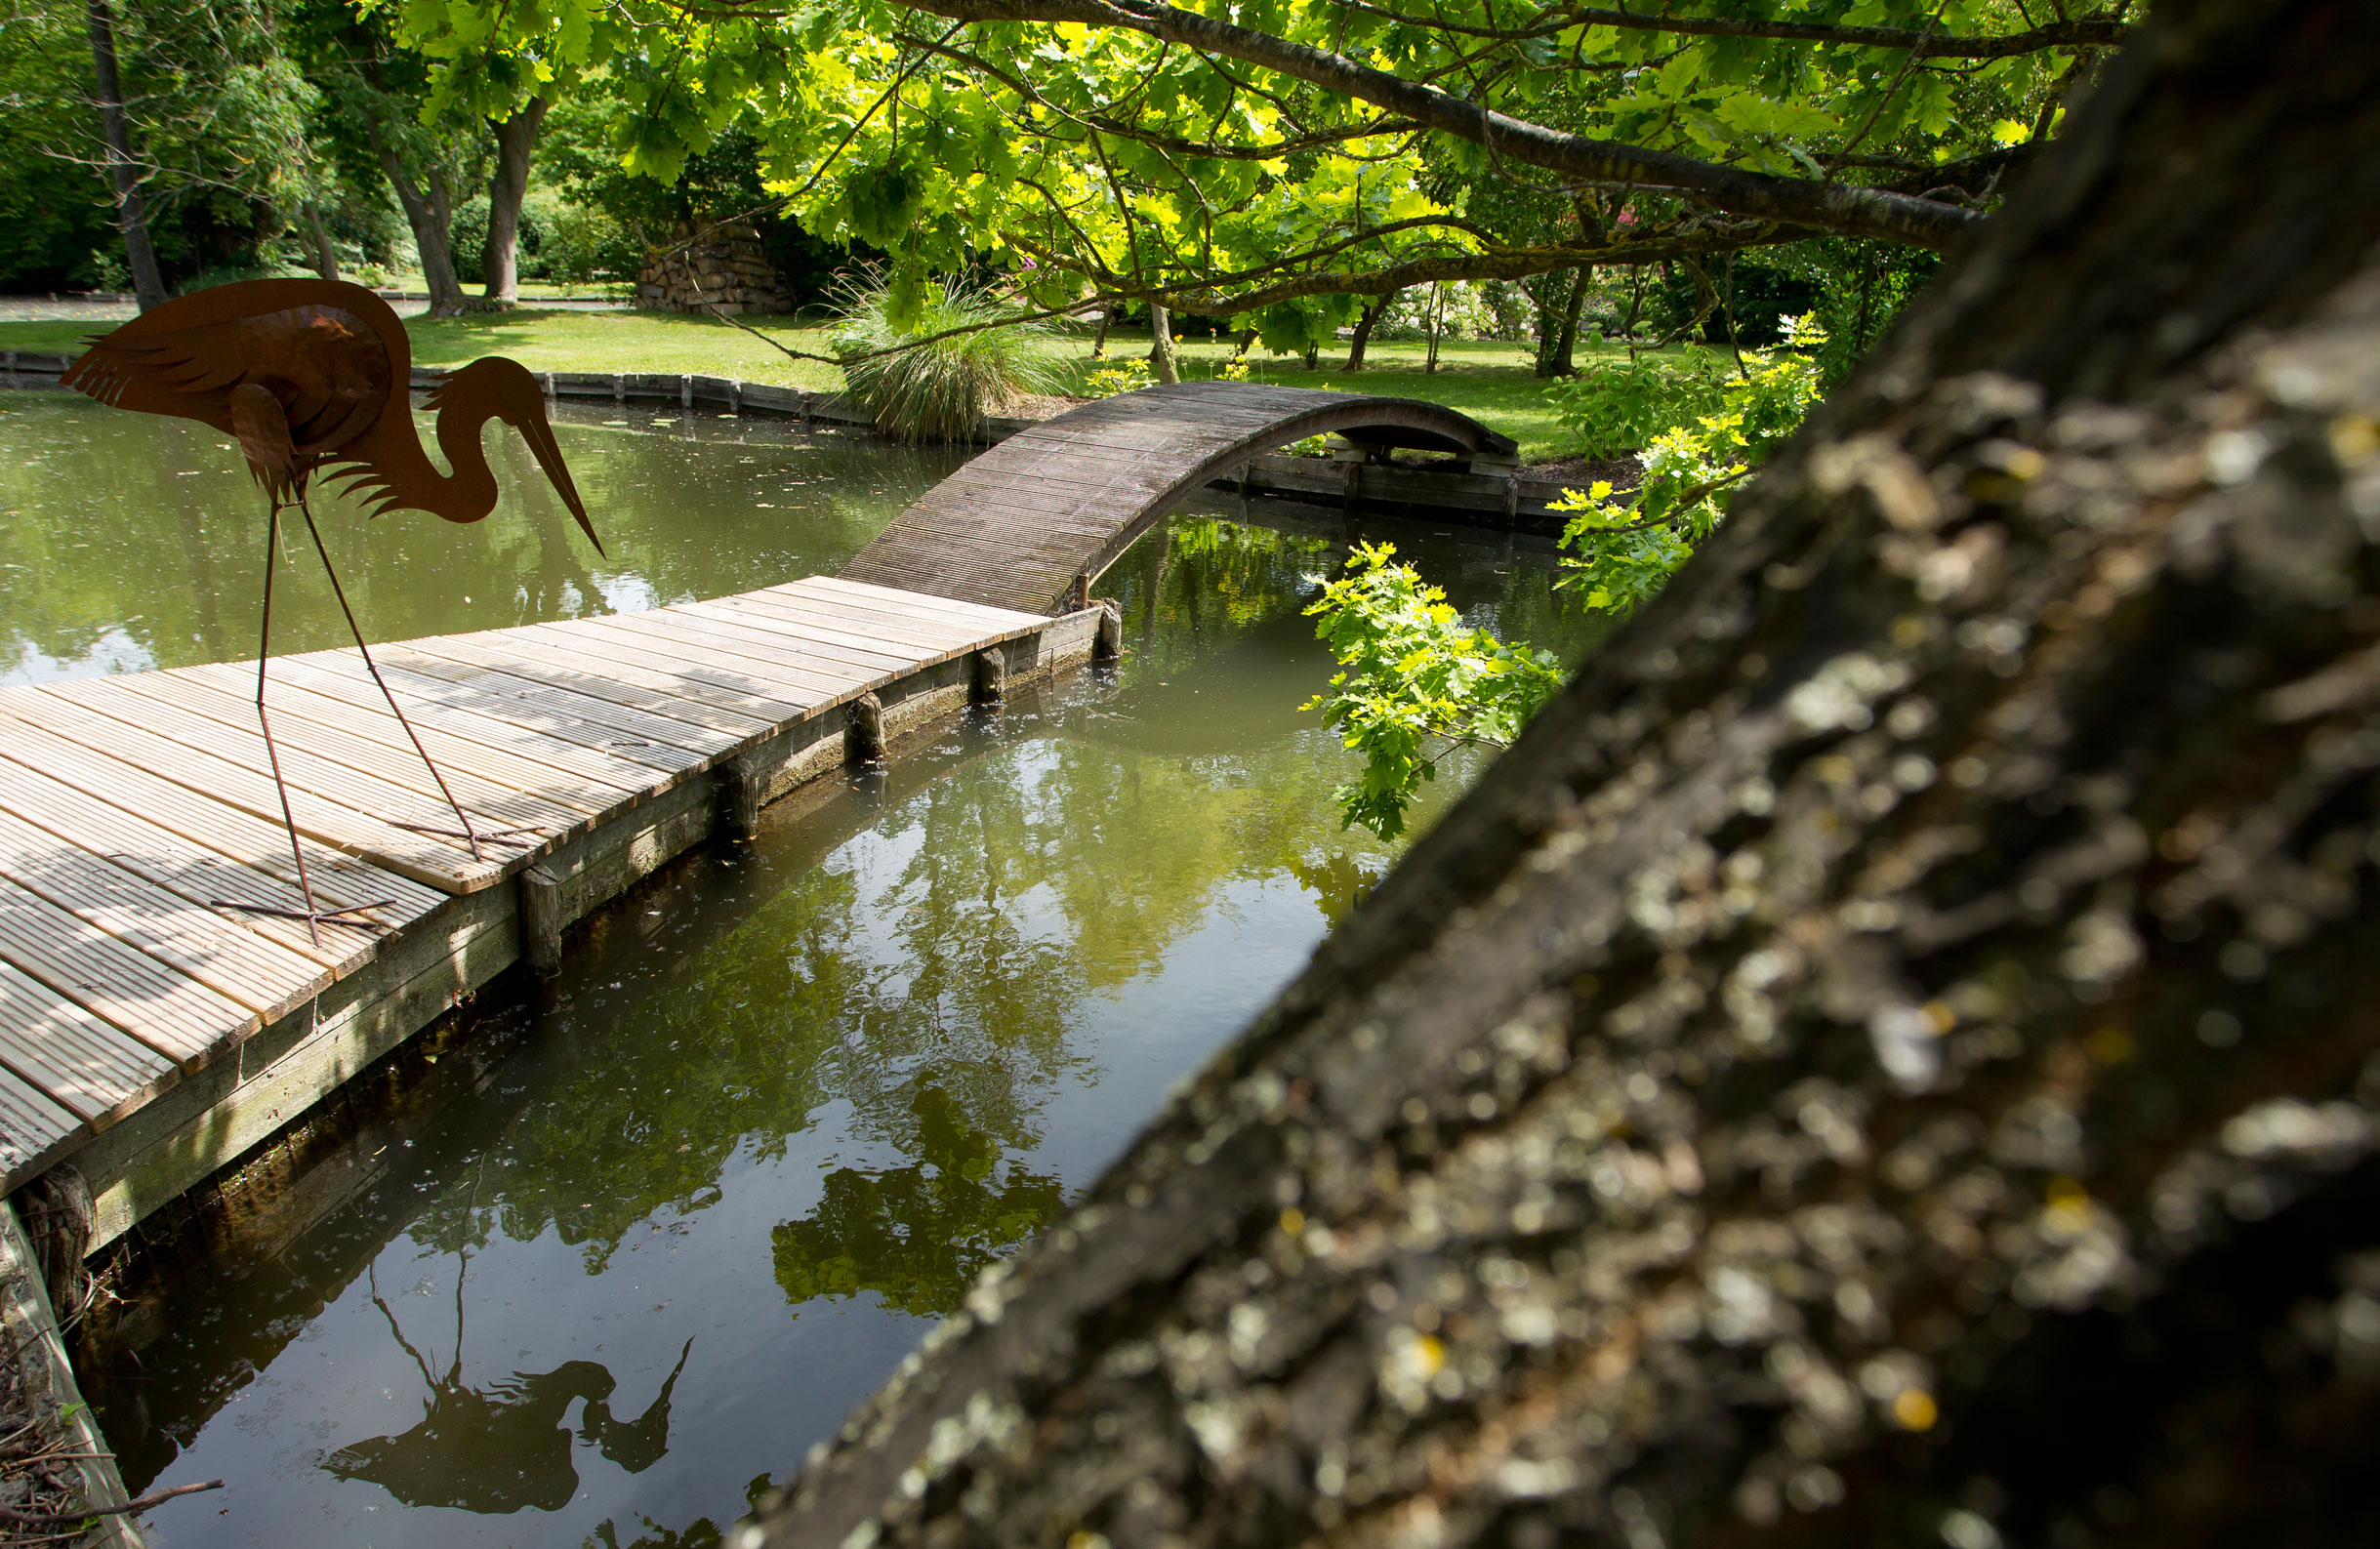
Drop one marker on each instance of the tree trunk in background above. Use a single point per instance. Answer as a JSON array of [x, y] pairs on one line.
[[516, 139], [326, 257], [428, 208], [1553, 294], [1161, 350], [1098, 344], [1365, 322], [1566, 345], [1889, 1057], [123, 170]]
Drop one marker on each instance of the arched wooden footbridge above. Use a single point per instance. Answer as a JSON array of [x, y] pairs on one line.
[[1043, 513]]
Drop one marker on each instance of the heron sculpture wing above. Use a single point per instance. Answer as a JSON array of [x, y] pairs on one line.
[[325, 366]]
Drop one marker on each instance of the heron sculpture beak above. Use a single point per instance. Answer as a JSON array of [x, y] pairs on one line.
[[548, 452]]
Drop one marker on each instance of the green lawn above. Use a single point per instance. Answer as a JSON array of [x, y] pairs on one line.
[[1487, 380], [55, 338]]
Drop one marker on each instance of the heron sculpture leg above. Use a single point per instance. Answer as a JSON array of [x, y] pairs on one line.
[[313, 916], [466, 834]]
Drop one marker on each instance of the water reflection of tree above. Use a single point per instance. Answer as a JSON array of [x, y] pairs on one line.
[[700, 1533], [1013, 891], [916, 1235]]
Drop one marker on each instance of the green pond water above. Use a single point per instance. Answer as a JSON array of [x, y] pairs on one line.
[[130, 541], [603, 1258]]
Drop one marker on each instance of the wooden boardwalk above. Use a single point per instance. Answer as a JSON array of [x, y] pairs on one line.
[[134, 1008], [151, 1034], [1036, 519]]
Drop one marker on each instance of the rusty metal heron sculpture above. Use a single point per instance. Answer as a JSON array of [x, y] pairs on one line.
[[314, 375]]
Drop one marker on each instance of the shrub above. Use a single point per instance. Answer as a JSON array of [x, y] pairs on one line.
[[469, 235], [1624, 550], [1415, 683], [938, 390], [1615, 406], [1109, 381], [584, 242]]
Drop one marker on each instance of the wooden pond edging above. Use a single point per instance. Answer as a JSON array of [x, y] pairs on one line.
[[46, 1379], [149, 1037], [1484, 489]]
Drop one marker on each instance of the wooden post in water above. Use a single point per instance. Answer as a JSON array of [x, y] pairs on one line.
[[739, 800], [541, 920], [1108, 644], [56, 1208], [991, 676], [865, 743]]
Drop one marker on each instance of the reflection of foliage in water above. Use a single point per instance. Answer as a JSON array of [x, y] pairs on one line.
[[700, 1533], [955, 950], [917, 1236], [1252, 570], [1338, 881], [960, 947]]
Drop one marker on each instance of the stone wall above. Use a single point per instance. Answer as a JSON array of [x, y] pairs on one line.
[[725, 272]]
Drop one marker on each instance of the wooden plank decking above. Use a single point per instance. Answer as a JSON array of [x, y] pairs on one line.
[[1045, 512], [133, 807]]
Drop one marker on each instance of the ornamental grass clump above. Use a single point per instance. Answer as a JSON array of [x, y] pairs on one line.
[[942, 388]]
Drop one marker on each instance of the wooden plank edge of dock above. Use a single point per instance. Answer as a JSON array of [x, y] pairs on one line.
[[46, 1377], [243, 1094]]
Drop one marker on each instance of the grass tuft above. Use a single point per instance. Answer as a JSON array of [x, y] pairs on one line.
[[938, 391]]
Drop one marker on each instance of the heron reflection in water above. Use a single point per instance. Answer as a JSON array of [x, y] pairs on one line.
[[504, 1447]]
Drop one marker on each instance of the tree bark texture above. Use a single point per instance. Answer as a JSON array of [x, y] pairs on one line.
[[1558, 297], [326, 257], [123, 168], [1889, 1058], [1161, 347], [516, 139], [428, 208], [1366, 320]]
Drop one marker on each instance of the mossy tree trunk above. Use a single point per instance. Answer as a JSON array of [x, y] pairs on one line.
[[1889, 1058], [326, 256]]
